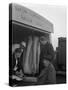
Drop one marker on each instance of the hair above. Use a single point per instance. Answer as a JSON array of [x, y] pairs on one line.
[[45, 38]]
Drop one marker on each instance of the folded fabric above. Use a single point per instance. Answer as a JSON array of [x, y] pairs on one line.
[[30, 79], [31, 56], [37, 57], [35, 54], [26, 66]]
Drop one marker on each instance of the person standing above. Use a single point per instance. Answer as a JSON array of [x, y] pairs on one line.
[[47, 70]]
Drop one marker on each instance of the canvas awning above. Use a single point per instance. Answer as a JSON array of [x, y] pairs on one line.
[[26, 16]]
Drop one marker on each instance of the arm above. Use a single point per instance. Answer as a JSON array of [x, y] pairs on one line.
[[48, 57]]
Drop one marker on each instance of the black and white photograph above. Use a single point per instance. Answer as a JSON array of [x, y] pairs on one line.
[[37, 44]]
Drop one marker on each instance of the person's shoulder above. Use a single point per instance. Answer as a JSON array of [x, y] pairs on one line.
[[49, 44]]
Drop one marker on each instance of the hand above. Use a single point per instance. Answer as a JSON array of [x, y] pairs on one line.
[[19, 73], [16, 78], [46, 63]]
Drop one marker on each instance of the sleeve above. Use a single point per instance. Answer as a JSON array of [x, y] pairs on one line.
[[50, 52]]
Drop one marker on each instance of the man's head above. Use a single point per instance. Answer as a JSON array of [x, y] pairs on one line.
[[44, 40]]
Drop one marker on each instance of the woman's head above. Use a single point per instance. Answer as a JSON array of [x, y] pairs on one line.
[[18, 52]]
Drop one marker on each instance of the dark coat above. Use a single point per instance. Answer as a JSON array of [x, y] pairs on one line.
[[47, 53]]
